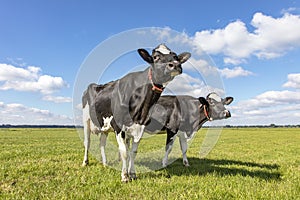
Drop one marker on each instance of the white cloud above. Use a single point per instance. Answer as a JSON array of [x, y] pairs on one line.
[[19, 114], [167, 35], [269, 99], [280, 107], [9, 72], [293, 81], [233, 61], [271, 38], [235, 72], [277, 114], [202, 66], [233, 40], [30, 79], [188, 85], [279, 97], [289, 10], [57, 99]]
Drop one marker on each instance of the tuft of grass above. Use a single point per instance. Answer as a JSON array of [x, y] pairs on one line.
[[246, 163]]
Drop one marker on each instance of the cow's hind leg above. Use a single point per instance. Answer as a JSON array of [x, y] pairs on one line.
[[183, 145], [103, 138], [87, 141]]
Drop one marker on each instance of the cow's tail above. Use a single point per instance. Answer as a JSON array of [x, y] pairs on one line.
[[90, 93]]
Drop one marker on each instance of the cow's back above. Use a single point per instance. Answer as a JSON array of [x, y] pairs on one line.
[[175, 113]]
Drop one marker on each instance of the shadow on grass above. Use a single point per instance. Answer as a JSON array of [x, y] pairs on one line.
[[222, 167]]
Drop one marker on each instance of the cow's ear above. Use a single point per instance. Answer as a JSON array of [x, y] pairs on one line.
[[227, 100], [145, 55], [203, 101], [183, 57]]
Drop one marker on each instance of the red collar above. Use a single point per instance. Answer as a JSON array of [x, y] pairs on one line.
[[205, 110], [154, 87]]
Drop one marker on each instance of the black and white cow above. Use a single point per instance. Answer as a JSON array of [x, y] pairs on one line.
[[97, 115], [128, 100], [184, 116]]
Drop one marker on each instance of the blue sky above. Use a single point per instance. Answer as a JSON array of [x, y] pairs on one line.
[[254, 44]]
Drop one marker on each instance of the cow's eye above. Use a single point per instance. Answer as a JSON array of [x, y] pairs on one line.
[[156, 58], [212, 102], [175, 57]]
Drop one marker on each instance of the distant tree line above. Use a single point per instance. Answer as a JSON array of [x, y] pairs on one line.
[[38, 126], [260, 126], [79, 126]]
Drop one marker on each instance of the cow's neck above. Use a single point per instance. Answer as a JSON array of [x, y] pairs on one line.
[[151, 99], [204, 115], [159, 88], [147, 96]]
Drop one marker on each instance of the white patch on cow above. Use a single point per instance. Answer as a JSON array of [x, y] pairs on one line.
[[86, 112], [136, 131], [163, 49], [122, 145], [184, 134], [215, 97], [106, 124]]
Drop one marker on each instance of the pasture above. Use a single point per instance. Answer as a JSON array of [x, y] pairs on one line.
[[246, 163]]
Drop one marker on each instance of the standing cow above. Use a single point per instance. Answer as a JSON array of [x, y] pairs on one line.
[[184, 116], [129, 100]]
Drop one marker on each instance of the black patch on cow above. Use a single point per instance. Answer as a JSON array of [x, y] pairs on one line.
[[123, 134]]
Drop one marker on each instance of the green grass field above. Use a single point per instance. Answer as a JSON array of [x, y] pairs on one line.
[[246, 163]]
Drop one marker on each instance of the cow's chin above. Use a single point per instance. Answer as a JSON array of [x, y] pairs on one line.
[[175, 73]]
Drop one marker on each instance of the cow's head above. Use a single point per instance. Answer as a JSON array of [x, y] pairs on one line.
[[214, 106], [165, 64]]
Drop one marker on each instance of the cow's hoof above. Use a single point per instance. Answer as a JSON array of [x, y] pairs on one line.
[[125, 178], [164, 164], [85, 163], [133, 176], [186, 163]]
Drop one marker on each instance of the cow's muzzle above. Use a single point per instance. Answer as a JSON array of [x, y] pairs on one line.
[[227, 114], [175, 68]]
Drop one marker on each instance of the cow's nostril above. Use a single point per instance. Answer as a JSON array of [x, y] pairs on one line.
[[227, 114], [171, 65]]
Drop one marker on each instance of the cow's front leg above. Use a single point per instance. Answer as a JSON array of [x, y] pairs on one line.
[[183, 145], [137, 132], [133, 153], [123, 148], [103, 138]]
